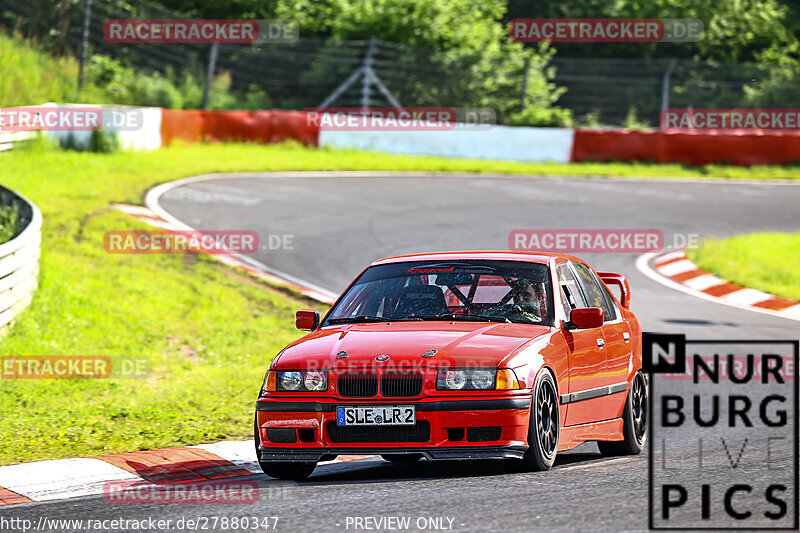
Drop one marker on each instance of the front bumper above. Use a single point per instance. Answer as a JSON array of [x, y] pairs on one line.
[[474, 428], [431, 453]]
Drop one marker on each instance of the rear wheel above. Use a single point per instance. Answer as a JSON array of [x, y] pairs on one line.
[[543, 430], [402, 458], [635, 422], [297, 471]]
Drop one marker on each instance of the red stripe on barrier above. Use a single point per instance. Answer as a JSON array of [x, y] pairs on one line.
[[735, 148], [175, 465], [7, 497], [248, 126]]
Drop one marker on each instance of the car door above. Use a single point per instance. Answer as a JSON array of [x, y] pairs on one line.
[[617, 334], [585, 357]]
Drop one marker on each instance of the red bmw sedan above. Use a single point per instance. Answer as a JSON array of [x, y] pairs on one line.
[[459, 355]]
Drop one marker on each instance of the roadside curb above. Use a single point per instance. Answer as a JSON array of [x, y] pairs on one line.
[[252, 266], [677, 269], [87, 476]]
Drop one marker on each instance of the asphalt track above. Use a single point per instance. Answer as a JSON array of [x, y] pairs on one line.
[[340, 224]]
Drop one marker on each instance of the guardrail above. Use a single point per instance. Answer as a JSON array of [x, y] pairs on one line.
[[19, 259], [9, 138]]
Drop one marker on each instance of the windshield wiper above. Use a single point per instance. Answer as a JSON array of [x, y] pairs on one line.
[[370, 318], [464, 318], [357, 318]]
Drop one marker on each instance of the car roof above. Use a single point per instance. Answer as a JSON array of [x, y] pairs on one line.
[[528, 257]]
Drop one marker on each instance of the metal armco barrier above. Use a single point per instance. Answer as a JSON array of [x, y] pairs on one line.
[[19, 259], [8, 139]]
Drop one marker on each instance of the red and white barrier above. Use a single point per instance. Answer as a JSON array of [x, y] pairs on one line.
[[162, 127]]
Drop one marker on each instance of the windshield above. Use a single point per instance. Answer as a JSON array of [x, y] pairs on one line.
[[463, 290]]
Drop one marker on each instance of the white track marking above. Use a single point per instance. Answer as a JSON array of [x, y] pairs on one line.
[[703, 282], [746, 297], [152, 202], [62, 478], [793, 311], [678, 267], [240, 453], [669, 257], [593, 465]]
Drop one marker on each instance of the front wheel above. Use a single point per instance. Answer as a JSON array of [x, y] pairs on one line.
[[634, 418], [543, 430], [296, 471]]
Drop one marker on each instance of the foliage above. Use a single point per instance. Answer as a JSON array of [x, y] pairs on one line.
[[735, 30], [632, 121], [31, 77], [9, 217], [464, 40], [171, 90]]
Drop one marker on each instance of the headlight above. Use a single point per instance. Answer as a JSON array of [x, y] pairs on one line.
[[291, 380], [300, 381], [455, 379], [316, 381], [483, 379], [466, 379]]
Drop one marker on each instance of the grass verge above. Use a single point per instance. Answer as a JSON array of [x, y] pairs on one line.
[[209, 331], [8, 223], [769, 262]]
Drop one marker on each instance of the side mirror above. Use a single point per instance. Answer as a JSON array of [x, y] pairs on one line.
[[306, 320], [586, 318]]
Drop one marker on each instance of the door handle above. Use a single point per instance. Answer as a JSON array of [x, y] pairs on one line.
[[626, 336], [601, 343]]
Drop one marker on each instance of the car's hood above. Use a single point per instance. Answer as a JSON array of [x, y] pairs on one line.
[[459, 343]]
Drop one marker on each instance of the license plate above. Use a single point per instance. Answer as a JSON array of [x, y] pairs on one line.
[[389, 415]]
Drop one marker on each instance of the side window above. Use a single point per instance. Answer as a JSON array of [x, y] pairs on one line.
[[571, 294], [595, 292]]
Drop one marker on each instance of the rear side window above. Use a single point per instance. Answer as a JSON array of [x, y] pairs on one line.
[[571, 294], [596, 294]]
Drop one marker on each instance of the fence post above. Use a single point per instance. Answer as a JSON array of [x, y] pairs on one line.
[[665, 85], [84, 41], [212, 64], [524, 90], [367, 79]]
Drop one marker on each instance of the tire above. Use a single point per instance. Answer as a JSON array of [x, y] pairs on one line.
[[292, 470], [543, 430], [404, 458], [635, 420]]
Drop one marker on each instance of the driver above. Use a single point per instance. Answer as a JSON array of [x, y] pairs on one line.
[[526, 298]]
